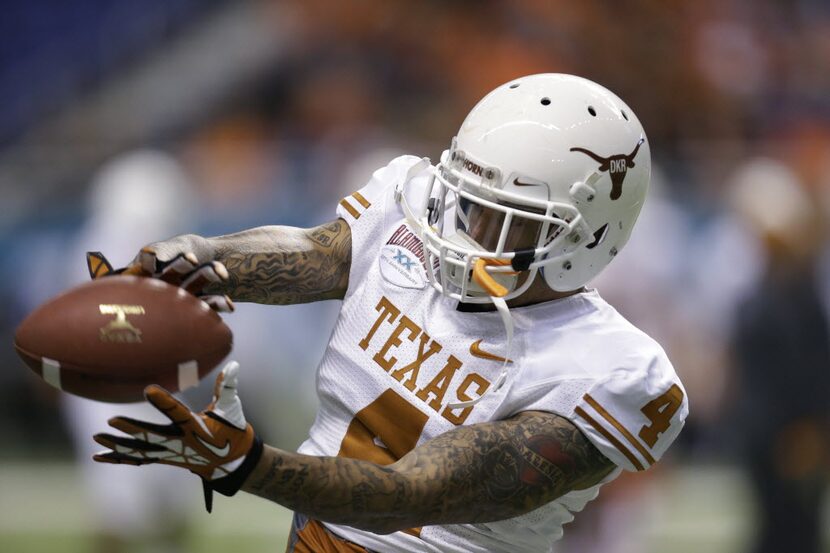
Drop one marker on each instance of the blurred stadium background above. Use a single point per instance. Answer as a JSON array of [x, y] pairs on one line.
[[123, 122]]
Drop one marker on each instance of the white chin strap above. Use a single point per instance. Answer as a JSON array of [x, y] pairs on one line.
[[499, 302], [507, 320]]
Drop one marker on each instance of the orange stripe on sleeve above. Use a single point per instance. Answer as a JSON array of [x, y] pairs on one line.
[[628, 436], [348, 207], [611, 438], [363, 201]]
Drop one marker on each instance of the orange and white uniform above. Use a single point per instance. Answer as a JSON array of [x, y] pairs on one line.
[[401, 353]]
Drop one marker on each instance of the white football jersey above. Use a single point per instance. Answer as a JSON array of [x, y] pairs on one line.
[[401, 352]]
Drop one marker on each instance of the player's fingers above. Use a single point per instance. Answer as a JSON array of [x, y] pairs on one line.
[[226, 405], [217, 385], [178, 268], [225, 382], [133, 269], [97, 265], [122, 444], [120, 459], [222, 304], [147, 431], [138, 450], [229, 375], [209, 273], [173, 409], [146, 262]]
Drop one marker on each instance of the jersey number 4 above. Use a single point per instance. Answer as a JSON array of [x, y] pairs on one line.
[[384, 431], [659, 412]]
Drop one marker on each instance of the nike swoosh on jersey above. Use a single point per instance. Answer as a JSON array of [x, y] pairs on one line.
[[216, 451], [476, 351]]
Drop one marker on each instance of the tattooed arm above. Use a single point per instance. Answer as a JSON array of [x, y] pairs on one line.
[[477, 473], [273, 264]]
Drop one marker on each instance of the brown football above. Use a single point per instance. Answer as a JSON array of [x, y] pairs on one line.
[[109, 338]]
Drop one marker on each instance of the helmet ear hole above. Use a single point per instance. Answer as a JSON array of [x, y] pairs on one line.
[[592, 111]]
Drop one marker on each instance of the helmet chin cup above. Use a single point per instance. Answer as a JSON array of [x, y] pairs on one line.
[[489, 284]]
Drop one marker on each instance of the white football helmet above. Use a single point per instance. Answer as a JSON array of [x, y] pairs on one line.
[[547, 173]]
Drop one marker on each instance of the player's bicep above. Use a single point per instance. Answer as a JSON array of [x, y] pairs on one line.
[[502, 469]]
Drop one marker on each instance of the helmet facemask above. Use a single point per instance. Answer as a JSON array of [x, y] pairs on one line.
[[481, 241]]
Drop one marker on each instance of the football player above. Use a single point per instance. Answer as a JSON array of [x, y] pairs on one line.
[[474, 393]]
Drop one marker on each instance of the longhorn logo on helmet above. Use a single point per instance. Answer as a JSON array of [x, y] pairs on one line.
[[616, 165]]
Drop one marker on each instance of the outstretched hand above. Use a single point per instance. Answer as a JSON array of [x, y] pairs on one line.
[[217, 444], [182, 269]]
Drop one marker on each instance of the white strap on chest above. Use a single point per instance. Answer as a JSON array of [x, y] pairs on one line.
[[507, 320]]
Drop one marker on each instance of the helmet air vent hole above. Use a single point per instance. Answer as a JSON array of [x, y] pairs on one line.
[[515, 85], [592, 111], [546, 101], [624, 114]]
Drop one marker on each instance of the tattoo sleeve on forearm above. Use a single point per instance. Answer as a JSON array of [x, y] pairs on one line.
[[473, 474], [285, 265]]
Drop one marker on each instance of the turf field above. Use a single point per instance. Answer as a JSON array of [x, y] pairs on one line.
[[688, 510]]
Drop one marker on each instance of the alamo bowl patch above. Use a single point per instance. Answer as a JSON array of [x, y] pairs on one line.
[[401, 267]]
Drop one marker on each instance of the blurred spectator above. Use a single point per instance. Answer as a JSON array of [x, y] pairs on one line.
[[782, 351], [136, 198]]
